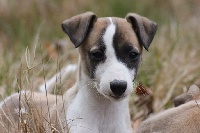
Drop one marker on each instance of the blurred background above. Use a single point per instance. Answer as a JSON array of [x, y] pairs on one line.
[[33, 47]]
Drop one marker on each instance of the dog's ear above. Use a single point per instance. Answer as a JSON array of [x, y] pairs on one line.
[[192, 93], [78, 27], [182, 99], [144, 28]]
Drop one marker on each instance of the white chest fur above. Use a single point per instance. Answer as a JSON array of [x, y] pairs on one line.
[[89, 113]]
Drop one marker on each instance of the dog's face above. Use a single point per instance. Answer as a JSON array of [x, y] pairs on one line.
[[111, 56], [110, 49]]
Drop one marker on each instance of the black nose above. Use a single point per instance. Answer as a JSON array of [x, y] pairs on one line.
[[118, 87]]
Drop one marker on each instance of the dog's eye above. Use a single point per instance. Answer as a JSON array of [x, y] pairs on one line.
[[97, 55], [133, 55]]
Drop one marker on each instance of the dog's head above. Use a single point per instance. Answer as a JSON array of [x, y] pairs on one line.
[[110, 49]]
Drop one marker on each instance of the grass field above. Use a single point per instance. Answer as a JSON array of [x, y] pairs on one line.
[[29, 30]]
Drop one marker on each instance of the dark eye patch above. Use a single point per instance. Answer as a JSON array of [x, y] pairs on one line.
[[128, 47], [133, 55], [130, 52], [125, 51], [96, 56], [128, 57]]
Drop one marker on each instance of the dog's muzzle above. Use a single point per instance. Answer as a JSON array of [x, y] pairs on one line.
[[118, 87]]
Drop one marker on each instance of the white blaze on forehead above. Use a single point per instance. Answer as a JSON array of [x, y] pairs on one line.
[[108, 38]]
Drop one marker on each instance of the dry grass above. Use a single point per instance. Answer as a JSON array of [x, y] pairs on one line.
[[29, 30]]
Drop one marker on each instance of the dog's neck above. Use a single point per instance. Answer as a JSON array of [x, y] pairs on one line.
[[93, 111]]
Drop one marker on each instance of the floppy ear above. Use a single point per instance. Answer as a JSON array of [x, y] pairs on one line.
[[182, 99], [144, 28], [193, 92], [78, 27]]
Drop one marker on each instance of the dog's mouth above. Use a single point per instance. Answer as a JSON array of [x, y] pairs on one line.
[[115, 97]]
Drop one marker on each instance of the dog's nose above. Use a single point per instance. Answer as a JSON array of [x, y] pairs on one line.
[[118, 87]]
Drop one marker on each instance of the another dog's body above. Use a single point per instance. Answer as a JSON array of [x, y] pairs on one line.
[[110, 53], [19, 109], [182, 119]]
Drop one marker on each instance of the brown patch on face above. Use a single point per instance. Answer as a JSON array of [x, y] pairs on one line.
[[93, 40], [125, 34]]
